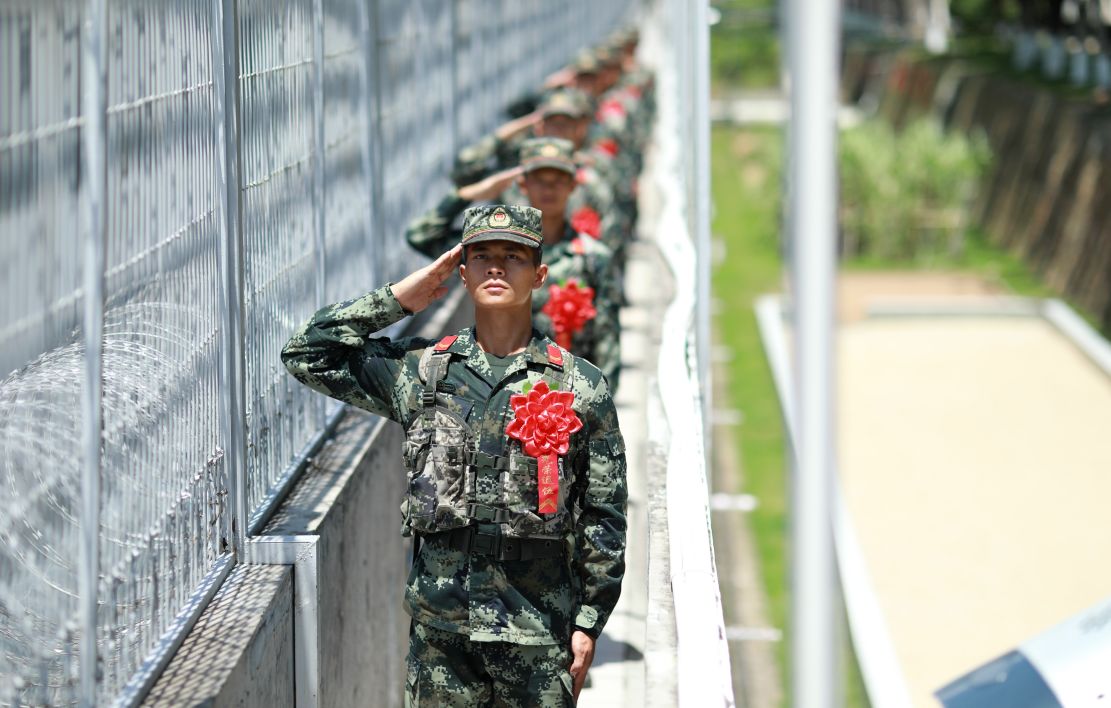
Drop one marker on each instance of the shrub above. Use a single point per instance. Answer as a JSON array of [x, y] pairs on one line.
[[907, 195]]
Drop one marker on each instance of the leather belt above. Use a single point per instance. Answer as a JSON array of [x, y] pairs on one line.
[[486, 540]]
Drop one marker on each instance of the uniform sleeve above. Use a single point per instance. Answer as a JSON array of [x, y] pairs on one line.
[[333, 353], [607, 325], [600, 527], [432, 234], [483, 158], [476, 161]]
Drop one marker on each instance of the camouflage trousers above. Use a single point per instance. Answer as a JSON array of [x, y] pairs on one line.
[[448, 669]]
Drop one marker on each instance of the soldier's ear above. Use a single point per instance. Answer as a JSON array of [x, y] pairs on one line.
[[541, 276]]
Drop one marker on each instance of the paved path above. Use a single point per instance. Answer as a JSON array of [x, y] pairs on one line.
[[617, 677], [974, 462]]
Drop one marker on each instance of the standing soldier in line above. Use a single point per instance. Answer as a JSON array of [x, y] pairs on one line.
[[610, 125], [563, 113], [546, 178], [516, 471]]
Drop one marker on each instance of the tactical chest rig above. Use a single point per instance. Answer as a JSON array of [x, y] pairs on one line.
[[461, 495]]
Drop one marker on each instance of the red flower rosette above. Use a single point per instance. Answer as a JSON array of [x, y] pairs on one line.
[[586, 221], [543, 422], [611, 108], [607, 146], [570, 307]]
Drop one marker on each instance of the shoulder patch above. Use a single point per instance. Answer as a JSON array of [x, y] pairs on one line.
[[443, 344], [555, 355]]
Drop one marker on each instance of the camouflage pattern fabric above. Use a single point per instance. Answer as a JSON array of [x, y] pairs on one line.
[[447, 670], [434, 232], [588, 261], [488, 155], [534, 602]]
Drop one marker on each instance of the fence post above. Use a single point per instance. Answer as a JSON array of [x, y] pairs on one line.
[[374, 119], [94, 60], [813, 34], [233, 412], [456, 141], [319, 148], [366, 140], [700, 65]]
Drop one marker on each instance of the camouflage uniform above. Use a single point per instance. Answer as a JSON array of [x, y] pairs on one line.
[[442, 669], [507, 583], [574, 256]]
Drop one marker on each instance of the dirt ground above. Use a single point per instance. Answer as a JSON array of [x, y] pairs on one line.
[[973, 460], [857, 291]]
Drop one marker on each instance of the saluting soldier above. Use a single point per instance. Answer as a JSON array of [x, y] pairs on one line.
[[576, 261], [515, 463], [563, 113]]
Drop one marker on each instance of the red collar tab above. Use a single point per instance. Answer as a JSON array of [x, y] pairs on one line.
[[443, 344], [555, 356]]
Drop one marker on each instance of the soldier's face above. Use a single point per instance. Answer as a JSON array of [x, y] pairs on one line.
[[558, 126], [609, 76], [548, 189], [501, 274], [587, 83]]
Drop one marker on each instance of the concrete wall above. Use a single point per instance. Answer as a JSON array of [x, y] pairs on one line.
[[241, 651], [1045, 198], [349, 499]]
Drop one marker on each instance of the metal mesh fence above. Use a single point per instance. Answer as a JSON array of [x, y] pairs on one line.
[[277, 143], [162, 464], [348, 115]]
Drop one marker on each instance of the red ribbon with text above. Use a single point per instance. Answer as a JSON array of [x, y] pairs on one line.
[[543, 422]]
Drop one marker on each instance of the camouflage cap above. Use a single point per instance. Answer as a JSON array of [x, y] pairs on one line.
[[571, 102], [556, 153], [586, 63], [623, 37], [502, 222], [606, 56], [564, 102]]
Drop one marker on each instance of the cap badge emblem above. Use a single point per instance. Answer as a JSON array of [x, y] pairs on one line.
[[499, 219], [549, 151]]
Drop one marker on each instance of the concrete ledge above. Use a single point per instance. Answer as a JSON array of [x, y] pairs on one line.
[[348, 501], [240, 652]]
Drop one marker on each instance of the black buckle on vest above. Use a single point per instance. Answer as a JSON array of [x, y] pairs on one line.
[[487, 543], [428, 399], [486, 513], [478, 458], [487, 540]]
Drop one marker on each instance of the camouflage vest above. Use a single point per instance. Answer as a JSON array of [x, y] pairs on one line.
[[442, 459]]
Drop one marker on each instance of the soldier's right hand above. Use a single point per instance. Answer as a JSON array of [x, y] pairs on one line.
[[560, 78], [492, 186], [512, 128], [421, 288]]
